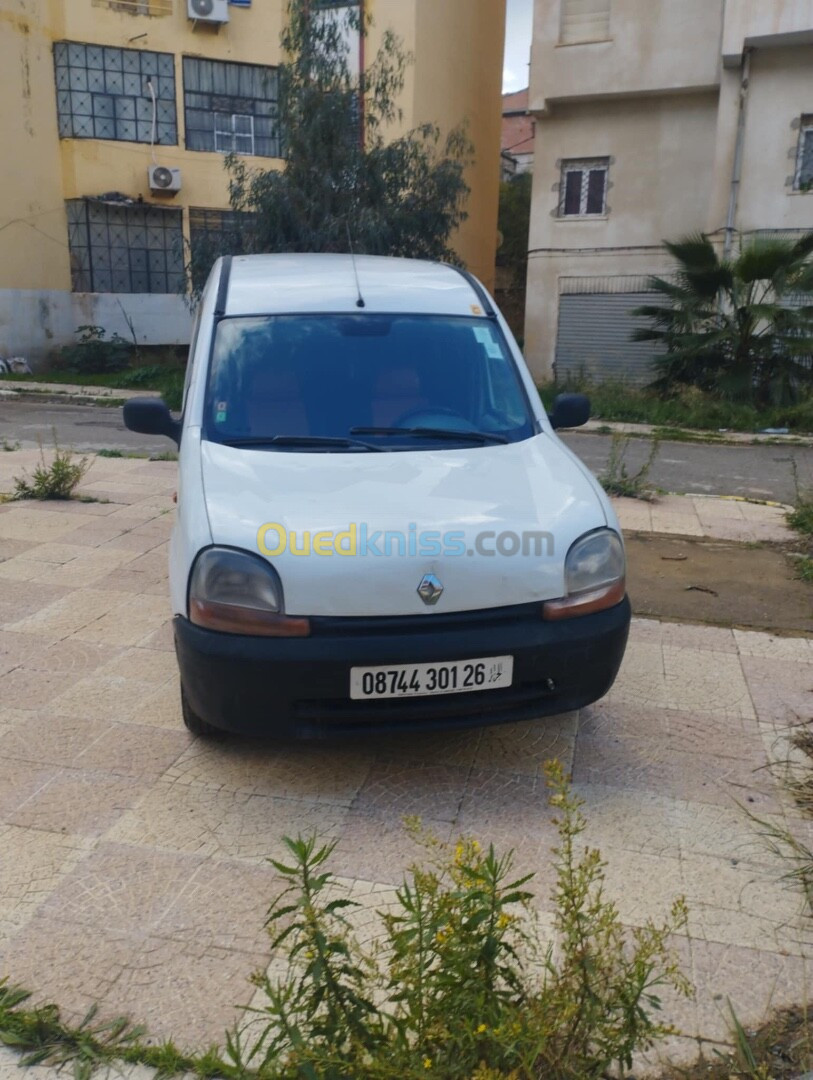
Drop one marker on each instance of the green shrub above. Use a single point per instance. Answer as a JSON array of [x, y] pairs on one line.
[[94, 353], [617, 480], [56, 480], [461, 987]]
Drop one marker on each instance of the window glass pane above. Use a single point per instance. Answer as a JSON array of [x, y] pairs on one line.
[[573, 192], [221, 101], [111, 84], [596, 184]]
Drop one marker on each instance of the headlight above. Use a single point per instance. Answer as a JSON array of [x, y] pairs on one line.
[[595, 573], [239, 593]]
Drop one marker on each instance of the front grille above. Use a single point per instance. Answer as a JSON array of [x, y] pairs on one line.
[[385, 625]]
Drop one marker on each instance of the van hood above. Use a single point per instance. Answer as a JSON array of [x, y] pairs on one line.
[[452, 512]]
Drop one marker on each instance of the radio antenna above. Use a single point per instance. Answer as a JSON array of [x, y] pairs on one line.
[[360, 302]]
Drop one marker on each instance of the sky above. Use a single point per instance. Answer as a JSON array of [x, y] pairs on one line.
[[517, 45]]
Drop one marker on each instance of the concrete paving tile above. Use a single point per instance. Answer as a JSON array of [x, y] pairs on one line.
[[641, 680], [672, 524], [162, 707], [184, 991], [31, 866], [376, 847], [395, 791], [33, 524], [14, 651], [19, 780], [782, 690], [122, 890], [304, 771], [126, 624], [163, 638], [94, 533], [23, 688], [524, 748], [641, 885], [82, 802], [402, 748], [56, 552], [47, 739], [10, 548], [139, 544], [704, 638], [613, 718], [73, 966], [706, 682], [20, 599], [146, 665], [133, 750], [224, 904], [67, 655], [755, 981], [72, 612], [223, 824], [770, 646], [22, 568], [131, 581], [103, 697], [658, 765], [741, 904], [85, 570]]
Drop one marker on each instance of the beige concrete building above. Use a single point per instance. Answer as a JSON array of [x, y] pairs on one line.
[[97, 94], [655, 118]]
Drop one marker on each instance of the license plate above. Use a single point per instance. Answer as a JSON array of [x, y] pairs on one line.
[[423, 680]]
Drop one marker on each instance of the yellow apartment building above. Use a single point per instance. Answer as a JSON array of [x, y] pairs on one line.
[[115, 118]]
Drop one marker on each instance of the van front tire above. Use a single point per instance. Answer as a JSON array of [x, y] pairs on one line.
[[194, 723]]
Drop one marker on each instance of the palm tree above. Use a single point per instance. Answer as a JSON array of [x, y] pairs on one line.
[[742, 327]]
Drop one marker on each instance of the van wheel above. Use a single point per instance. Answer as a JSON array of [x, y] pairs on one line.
[[195, 723]]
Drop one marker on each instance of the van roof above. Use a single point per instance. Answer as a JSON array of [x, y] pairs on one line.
[[294, 284]]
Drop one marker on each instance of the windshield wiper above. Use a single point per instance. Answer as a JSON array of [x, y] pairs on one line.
[[432, 433], [326, 441]]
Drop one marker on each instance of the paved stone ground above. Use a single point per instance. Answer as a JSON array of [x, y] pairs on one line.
[[132, 857]]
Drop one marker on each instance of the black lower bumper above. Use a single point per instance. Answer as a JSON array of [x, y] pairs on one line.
[[300, 686]]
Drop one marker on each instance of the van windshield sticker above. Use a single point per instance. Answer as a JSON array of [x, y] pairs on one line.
[[486, 338], [222, 412]]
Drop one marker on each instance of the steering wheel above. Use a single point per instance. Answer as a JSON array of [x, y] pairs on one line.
[[426, 417]]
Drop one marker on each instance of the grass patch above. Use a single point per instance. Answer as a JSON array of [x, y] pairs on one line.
[[690, 408], [167, 379]]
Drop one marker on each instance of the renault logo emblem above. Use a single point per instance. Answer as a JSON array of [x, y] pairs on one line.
[[430, 589]]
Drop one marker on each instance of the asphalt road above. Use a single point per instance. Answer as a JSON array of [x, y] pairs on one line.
[[762, 472]]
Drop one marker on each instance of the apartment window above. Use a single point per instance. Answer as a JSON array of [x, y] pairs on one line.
[[804, 164], [583, 190], [213, 233], [137, 7], [231, 108], [125, 248], [583, 21], [345, 15], [104, 93]]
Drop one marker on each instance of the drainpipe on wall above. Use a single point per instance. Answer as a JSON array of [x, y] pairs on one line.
[[736, 175]]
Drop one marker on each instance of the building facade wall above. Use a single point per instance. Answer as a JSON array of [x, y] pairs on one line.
[[457, 65], [671, 148]]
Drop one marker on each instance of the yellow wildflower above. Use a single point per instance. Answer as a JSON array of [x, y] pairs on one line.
[[481, 1029], [427, 1063]]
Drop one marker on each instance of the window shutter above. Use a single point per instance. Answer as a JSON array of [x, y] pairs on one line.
[[584, 20]]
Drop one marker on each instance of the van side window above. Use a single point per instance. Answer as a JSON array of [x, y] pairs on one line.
[[193, 341]]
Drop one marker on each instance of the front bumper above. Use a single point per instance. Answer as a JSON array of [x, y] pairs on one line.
[[300, 686]]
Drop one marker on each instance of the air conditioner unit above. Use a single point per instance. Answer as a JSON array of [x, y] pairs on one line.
[[163, 179], [209, 11]]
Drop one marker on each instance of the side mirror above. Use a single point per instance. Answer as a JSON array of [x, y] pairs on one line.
[[570, 410], [151, 416]]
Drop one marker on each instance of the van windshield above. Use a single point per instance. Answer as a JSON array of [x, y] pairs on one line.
[[373, 382]]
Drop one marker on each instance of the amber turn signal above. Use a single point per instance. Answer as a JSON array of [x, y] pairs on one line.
[[586, 603], [233, 619]]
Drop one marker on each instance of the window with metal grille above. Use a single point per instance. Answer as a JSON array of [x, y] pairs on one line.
[[213, 233], [345, 15], [231, 107], [584, 20], [104, 93], [583, 191], [804, 163], [125, 248]]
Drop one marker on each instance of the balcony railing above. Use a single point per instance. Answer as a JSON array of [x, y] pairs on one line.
[[154, 8]]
